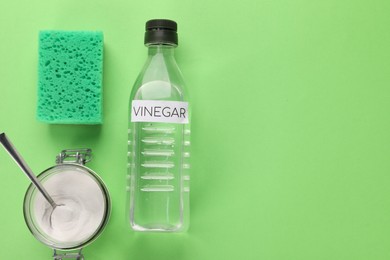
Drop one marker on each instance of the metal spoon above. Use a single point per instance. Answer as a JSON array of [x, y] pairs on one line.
[[23, 165]]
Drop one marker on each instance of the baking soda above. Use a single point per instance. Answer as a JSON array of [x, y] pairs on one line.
[[80, 210]]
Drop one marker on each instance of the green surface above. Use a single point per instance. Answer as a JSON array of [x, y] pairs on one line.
[[70, 77], [291, 126]]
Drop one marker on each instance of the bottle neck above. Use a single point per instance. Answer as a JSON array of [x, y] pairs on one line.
[[160, 64], [161, 49]]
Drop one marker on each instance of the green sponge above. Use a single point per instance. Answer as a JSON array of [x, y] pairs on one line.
[[70, 77]]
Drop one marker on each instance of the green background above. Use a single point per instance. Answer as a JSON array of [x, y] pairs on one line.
[[290, 126]]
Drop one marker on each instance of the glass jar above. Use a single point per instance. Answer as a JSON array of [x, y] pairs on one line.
[[83, 205]]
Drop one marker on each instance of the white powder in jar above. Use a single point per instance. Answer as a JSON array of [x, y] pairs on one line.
[[80, 210]]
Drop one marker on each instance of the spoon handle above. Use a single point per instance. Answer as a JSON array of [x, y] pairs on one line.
[[23, 165]]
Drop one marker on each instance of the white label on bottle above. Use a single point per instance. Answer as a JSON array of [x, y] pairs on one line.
[[159, 111]]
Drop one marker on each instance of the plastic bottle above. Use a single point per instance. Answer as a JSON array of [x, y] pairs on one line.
[[159, 137]]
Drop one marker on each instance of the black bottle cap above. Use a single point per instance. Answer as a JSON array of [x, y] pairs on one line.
[[161, 31]]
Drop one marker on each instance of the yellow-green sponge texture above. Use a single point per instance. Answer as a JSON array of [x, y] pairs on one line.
[[70, 87]]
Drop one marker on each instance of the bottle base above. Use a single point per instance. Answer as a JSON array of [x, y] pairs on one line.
[[159, 228]]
